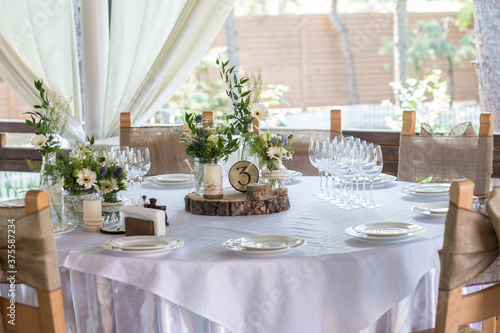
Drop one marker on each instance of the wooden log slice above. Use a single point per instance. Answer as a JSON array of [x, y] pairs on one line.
[[236, 203], [259, 191]]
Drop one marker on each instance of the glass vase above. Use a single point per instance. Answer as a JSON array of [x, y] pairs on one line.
[[199, 173], [274, 174], [245, 149], [52, 183], [110, 209], [73, 205]]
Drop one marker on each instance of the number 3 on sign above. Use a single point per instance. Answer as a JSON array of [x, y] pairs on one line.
[[243, 173]]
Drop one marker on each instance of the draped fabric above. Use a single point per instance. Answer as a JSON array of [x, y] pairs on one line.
[[37, 40], [471, 246], [35, 256], [438, 158], [153, 47]]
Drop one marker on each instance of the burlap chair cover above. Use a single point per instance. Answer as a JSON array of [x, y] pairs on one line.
[[445, 158], [470, 253], [300, 147], [166, 150], [35, 250]]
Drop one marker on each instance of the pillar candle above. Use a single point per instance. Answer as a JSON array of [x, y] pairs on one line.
[[92, 209], [213, 179]]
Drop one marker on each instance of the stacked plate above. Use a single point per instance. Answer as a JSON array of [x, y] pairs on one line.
[[171, 179], [142, 245], [263, 245], [386, 231], [430, 189], [434, 209]]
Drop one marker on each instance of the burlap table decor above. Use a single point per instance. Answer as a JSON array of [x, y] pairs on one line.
[[470, 253], [35, 260], [435, 158]]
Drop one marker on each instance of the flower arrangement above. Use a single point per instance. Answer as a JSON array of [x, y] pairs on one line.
[[244, 93], [87, 170], [272, 149], [50, 120], [207, 142]]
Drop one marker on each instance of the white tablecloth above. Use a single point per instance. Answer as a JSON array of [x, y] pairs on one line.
[[333, 284]]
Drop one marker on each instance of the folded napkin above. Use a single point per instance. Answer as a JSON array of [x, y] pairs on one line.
[[149, 214]]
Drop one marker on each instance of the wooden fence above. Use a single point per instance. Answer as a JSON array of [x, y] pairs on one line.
[[303, 52]]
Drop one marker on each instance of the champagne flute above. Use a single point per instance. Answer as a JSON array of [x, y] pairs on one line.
[[314, 158]]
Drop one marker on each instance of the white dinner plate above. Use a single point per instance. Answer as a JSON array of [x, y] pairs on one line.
[[387, 229], [430, 189], [351, 231], [141, 243], [62, 228], [434, 209], [170, 244], [383, 178], [263, 245], [173, 178], [19, 202], [292, 174]]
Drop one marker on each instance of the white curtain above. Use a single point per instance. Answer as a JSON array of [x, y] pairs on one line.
[[145, 57], [154, 46], [37, 40]]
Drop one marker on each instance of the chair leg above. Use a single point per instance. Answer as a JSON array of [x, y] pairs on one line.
[[490, 325]]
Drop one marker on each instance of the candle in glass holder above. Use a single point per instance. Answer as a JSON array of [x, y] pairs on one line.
[[213, 181]]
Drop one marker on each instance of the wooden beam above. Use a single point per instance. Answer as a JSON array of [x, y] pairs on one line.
[[15, 126], [125, 119], [486, 121], [336, 121], [208, 118], [304, 73], [409, 119]]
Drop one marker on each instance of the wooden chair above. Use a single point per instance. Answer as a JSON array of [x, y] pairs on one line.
[[33, 236], [455, 309], [166, 150], [438, 158], [300, 147]]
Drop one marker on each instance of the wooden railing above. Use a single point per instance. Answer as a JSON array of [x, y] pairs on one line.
[[14, 158]]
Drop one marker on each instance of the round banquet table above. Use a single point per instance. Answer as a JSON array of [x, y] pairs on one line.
[[335, 283]]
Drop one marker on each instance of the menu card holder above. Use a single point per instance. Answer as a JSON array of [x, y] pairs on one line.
[[136, 227]]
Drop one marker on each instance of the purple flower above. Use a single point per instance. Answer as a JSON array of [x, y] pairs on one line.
[[274, 140], [118, 173], [201, 133], [103, 171], [196, 145], [198, 118]]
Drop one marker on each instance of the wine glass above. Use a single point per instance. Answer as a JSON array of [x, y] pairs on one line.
[[315, 159], [371, 168], [347, 169], [140, 162]]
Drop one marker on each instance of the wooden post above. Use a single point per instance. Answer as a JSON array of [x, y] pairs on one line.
[[409, 119], [303, 63], [486, 121], [35, 201], [461, 193], [125, 119], [256, 126], [208, 119], [336, 121]]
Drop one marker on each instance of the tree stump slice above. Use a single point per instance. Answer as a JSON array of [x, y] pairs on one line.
[[235, 203], [259, 191]]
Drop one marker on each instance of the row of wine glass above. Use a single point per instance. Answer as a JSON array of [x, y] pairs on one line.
[[345, 163]]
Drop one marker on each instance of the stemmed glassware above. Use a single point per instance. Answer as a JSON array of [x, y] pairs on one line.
[[140, 162], [346, 158], [371, 167]]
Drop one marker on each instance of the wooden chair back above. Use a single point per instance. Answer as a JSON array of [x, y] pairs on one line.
[[455, 309], [48, 317], [166, 150], [300, 147]]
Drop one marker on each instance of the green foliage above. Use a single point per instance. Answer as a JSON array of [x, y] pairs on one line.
[[414, 95], [50, 120], [272, 148], [429, 41], [207, 142], [85, 169], [465, 16]]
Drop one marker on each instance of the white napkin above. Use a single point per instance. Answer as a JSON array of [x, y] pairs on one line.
[[150, 214]]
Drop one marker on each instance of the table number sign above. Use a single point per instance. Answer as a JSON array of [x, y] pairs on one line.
[[243, 173]]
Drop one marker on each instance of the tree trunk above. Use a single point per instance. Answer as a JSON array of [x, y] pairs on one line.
[[486, 18], [400, 25], [451, 82], [345, 46], [232, 41]]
